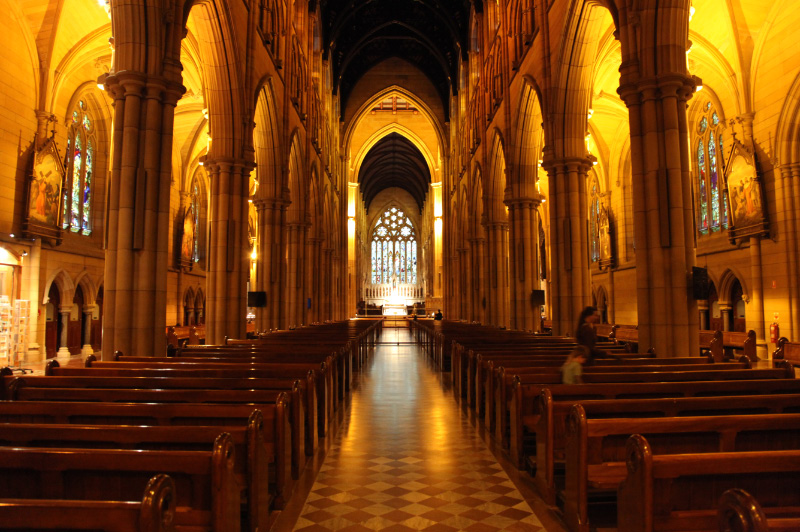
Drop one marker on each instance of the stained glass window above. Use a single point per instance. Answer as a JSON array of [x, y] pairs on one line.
[[594, 224], [81, 144], [394, 249], [712, 200]]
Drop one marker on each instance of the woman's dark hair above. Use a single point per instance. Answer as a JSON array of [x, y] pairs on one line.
[[585, 313]]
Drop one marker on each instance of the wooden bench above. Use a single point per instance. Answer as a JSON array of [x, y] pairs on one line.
[[680, 492], [322, 376], [251, 461], [595, 448], [739, 511], [499, 380], [550, 426], [155, 512], [524, 411], [300, 384], [788, 351], [207, 496], [121, 389], [723, 344]]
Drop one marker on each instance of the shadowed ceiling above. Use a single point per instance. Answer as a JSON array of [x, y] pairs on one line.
[[431, 34], [394, 162]]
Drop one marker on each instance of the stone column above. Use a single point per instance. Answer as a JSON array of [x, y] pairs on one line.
[[497, 268], [703, 310], [524, 271], [33, 263], [570, 278], [478, 280], [725, 315], [63, 338], [88, 313], [790, 179], [294, 274], [663, 212], [312, 271], [138, 212], [228, 250], [756, 304]]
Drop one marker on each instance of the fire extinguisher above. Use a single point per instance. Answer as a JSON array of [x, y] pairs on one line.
[[774, 333]]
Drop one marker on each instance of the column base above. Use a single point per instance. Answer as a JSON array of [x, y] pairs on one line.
[[87, 350]]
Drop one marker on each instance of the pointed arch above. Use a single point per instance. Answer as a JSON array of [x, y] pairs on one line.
[[496, 210], [84, 280], [267, 143], [530, 137], [65, 285], [295, 184]]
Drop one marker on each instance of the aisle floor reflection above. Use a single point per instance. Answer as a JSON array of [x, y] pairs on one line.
[[406, 458]]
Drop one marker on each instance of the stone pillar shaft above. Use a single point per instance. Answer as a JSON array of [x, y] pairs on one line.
[[663, 212], [569, 257], [138, 210], [523, 247], [229, 263], [756, 320]]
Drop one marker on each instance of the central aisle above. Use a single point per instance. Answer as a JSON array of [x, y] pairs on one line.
[[405, 458]]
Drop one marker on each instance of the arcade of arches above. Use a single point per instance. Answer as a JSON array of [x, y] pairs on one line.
[[356, 157]]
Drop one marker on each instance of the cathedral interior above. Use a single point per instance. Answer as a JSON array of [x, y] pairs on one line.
[[220, 168]]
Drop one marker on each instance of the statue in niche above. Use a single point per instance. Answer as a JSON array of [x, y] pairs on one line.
[[604, 231]]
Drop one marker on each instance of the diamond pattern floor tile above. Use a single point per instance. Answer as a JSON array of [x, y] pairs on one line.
[[406, 458]]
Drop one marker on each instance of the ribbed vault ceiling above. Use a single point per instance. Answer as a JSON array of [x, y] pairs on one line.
[[394, 162], [431, 34]]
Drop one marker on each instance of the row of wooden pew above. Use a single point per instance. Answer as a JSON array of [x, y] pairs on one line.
[[647, 443], [213, 438]]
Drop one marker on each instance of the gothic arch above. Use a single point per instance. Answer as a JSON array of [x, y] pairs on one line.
[[386, 130], [64, 283], [496, 190], [20, 22], [576, 59], [223, 88], [728, 278], [295, 212], [788, 127], [88, 287], [478, 203], [530, 139], [267, 143]]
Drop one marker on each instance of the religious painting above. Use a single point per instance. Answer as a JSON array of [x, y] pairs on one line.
[[747, 212], [44, 192], [605, 237], [187, 240]]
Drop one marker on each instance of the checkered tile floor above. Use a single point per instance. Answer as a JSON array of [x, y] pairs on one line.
[[407, 459]]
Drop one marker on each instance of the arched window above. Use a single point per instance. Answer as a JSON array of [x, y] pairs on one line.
[[79, 164], [394, 249], [594, 223], [712, 204], [198, 205]]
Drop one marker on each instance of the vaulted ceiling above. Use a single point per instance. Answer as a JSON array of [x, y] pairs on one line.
[[431, 34], [394, 162]]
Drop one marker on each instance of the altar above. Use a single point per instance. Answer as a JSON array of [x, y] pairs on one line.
[[394, 309]]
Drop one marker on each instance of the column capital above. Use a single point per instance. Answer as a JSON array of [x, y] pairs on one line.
[[529, 201], [229, 164], [634, 90], [566, 164]]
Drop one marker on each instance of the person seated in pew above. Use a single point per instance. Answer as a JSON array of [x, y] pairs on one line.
[[572, 370], [438, 316], [586, 336]]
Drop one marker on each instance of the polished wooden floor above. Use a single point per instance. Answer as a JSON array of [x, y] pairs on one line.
[[407, 457]]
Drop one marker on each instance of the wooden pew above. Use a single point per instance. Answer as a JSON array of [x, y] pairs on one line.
[[301, 385], [722, 344], [524, 413], [322, 376], [595, 448], [788, 351], [122, 389], [500, 381], [206, 489], [155, 512], [251, 461], [680, 492], [739, 511], [166, 415], [551, 424]]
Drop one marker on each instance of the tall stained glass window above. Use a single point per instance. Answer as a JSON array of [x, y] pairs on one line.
[[79, 164], [594, 223], [712, 198], [394, 249]]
